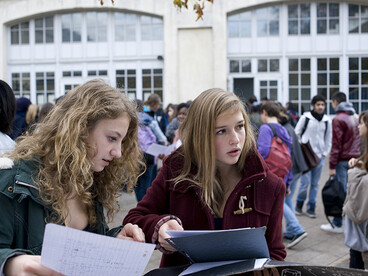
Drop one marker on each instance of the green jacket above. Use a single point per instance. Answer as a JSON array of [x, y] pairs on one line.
[[23, 213]]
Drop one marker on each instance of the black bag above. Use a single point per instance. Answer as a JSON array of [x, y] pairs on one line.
[[333, 197]]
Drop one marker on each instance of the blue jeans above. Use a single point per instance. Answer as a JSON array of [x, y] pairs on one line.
[[341, 176], [293, 226], [311, 179], [293, 184], [145, 181]]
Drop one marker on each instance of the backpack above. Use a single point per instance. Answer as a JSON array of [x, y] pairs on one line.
[[279, 159], [333, 197]]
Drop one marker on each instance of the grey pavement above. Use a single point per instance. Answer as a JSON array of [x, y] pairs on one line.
[[319, 248]]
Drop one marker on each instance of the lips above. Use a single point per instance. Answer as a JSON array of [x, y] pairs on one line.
[[234, 152], [107, 162]]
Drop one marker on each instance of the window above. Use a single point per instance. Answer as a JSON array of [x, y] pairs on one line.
[[268, 65], [300, 83], [97, 73], [96, 26], [125, 26], [268, 21], [299, 19], [72, 73], [44, 30], [45, 87], [21, 85], [328, 79], [20, 33], [126, 82], [239, 25], [358, 19], [152, 82], [71, 25], [358, 83], [151, 28], [68, 87], [268, 88], [327, 18], [240, 66]]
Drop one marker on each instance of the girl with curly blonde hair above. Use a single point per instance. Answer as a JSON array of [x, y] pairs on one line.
[[215, 180], [68, 172]]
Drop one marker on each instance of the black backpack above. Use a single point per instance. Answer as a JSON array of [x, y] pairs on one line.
[[333, 197]]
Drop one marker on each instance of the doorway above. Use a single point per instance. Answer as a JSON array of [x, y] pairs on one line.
[[243, 88]]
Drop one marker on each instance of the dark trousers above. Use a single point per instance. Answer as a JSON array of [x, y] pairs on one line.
[[356, 260], [145, 181]]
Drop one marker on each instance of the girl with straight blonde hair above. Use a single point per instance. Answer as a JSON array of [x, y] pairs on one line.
[[68, 172], [215, 180]]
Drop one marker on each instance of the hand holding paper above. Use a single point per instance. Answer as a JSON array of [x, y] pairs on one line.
[[162, 233]]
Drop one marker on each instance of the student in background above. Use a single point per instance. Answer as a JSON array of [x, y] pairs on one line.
[[167, 116], [313, 126], [172, 133], [68, 172], [20, 125], [7, 113], [355, 209], [345, 145], [215, 180]]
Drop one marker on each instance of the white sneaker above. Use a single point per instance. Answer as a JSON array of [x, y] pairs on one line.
[[333, 229]]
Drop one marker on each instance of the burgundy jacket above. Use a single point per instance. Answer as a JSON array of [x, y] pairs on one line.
[[264, 191], [345, 138]]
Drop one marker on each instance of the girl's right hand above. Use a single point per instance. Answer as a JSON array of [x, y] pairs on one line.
[[25, 265], [352, 162], [172, 224]]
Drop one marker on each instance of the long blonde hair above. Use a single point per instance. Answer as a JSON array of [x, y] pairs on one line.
[[198, 137], [59, 145], [363, 164]]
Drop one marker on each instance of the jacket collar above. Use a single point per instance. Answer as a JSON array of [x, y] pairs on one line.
[[255, 170]]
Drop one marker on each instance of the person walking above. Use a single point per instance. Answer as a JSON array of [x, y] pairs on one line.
[[20, 124], [313, 126], [345, 145]]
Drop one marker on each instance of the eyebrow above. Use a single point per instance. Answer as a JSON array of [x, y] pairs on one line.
[[241, 121], [117, 133]]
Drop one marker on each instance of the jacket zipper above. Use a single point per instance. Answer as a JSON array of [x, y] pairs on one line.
[[26, 184]]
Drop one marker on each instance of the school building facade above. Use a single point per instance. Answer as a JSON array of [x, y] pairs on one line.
[[284, 50]]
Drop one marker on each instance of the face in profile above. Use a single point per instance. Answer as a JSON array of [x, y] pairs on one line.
[[362, 127], [105, 140], [229, 137]]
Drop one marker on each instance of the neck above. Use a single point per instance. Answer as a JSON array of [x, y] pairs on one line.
[[272, 120], [228, 173]]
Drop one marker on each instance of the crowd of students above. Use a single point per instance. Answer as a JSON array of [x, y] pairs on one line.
[[70, 168]]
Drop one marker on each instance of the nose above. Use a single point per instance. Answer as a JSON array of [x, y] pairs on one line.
[[116, 151], [234, 138]]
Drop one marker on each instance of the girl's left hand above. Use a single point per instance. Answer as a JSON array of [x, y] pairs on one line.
[[131, 232]]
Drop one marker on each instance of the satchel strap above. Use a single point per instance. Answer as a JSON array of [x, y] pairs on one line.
[[306, 124]]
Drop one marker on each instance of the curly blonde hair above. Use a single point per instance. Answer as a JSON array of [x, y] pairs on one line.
[[198, 143], [59, 145]]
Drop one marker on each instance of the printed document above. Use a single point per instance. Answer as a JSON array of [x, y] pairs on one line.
[[75, 252]]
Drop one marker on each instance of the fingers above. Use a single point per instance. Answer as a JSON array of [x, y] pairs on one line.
[[131, 232], [162, 235]]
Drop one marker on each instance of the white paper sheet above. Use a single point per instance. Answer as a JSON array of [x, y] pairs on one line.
[[156, 149], [75, 252]]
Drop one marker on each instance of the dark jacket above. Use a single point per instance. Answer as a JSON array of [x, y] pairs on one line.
[[299, 164], [345, 135], [264, 193], [23, 213]]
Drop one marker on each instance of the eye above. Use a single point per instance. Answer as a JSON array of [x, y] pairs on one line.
[[112, 139], [240, 126], [221, 131]]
